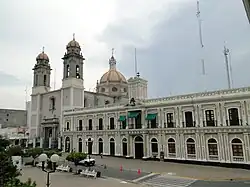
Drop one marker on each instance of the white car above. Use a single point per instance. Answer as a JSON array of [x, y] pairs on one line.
[[87, 162]]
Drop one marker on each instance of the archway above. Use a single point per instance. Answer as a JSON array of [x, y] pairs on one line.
[[90, 143], [79, 145], [124, 147], [112, 146], [154, 146], [67, 144], [100, 145], [138, 147]]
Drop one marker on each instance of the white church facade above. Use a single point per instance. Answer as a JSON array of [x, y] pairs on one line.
[[119, 120]]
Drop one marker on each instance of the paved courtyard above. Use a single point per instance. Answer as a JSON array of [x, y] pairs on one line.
[[184, 170], [59, 179]]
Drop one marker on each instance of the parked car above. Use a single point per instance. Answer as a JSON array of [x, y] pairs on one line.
[[87, 162]]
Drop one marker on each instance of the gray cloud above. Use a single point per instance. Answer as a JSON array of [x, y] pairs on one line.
[[171, 58], [10, 80]]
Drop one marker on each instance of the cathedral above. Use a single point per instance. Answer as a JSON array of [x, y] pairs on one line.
[[119, 120]]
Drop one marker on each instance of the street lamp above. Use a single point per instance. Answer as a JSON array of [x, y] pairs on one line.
[[54, 159]]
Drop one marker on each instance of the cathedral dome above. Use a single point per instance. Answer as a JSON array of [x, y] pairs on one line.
[[42, 56], [73, 43], [112, 76]]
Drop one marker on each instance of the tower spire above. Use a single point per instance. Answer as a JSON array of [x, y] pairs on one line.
[[112, 61], [43, 50], [73, 36]]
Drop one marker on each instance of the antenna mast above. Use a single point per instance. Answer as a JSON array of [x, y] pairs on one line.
[[26, 95], [55, 79], [136, 73], [201, 43], [226, 53]]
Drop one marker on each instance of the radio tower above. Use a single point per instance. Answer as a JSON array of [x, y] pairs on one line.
[[198, 14]]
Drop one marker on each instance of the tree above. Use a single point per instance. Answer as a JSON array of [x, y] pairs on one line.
[[4, 143], [9, 172], [76, 158], [15, 151]]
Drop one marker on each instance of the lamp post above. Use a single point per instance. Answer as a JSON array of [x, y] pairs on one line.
[[54, 159]]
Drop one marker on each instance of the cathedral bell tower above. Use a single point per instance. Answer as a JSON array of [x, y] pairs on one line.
[[73, 65], [42, 71], [72, 82]]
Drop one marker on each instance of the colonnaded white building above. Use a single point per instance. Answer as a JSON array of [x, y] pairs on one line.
[[119, 120]]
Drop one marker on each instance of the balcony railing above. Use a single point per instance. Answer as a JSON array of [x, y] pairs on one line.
[[191, 156], [66, 129], [170, 125], [79, 128], [188, 124], [213, 157], [99, 128], [172, 155], [152, 126], [236, 122], [238, 159], [212, 123], [135, 126]]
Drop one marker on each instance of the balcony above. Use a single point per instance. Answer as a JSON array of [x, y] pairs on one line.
[[152, 126], [50, 121], [134, 126], [99, 128], [79, 128], [235, 122], [211, 123], [170, 125], [89, 128], [189, 124], [66, 129]]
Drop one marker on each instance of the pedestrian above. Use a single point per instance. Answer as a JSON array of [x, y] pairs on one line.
[[101, 155]]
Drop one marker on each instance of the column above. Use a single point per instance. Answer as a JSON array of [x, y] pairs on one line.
[[131, 146], [27, 143], [41, 142], [182, 147], [59, 142], [221, 148], [218, 114], [198, 146], [50, 142], [34, 142], [243, 115], [246, 148]]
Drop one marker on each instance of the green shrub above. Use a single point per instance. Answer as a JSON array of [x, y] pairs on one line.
[[76, 157], [15, 151]]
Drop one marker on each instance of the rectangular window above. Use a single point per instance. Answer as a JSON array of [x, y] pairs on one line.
[[170, 120], [189, 119], [210, 117]]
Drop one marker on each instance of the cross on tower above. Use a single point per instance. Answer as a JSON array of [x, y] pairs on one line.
[[113, 51], [73, 36], [43, 50]]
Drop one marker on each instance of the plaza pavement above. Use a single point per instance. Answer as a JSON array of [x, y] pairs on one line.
[[183, 170], [62, 179]]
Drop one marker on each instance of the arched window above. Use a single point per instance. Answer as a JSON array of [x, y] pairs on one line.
[[233, 116], [67, 71], [114, 89], [212, 149], [237, 150], [79, 145], [191, 153], [67, 144], [78, 72], [100, 142], [124, 147], [138, 139], [154, 146], [100, 125], [171, 147], [112, 146], [45, 80]]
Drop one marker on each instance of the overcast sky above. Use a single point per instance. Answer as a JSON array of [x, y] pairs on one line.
[[165, 33]]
